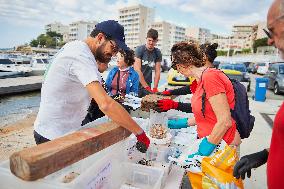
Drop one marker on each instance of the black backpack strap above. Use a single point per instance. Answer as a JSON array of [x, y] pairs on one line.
[[203, 98]]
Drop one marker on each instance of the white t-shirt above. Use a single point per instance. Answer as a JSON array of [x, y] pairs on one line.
[[64, 98]]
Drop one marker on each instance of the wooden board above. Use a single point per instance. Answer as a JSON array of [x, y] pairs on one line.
[[39, 161]]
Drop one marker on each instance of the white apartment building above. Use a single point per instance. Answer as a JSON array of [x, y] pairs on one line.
[[136, 21], [260, 33], [80, 30], [169, 34], [177, 34], [56, 27], [201, 35], [243, 36], [223, 41]]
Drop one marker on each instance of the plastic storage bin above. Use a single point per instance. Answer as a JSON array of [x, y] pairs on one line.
[[100, 170], [96, 171], [260, 89], [140, 176]]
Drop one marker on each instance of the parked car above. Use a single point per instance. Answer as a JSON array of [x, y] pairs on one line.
[[216, 64], [236, 71], [275, 74], [250, 66], [176, 78], [262, 68], [254, 68]]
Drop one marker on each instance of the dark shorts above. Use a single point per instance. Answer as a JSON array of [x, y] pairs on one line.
[[39, 139]]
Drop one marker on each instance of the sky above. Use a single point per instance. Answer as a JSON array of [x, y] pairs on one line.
[[23, 20]]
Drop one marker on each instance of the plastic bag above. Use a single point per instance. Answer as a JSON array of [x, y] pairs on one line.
[[213, 172]]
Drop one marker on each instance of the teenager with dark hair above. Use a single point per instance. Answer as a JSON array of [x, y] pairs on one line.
[[147, 57]]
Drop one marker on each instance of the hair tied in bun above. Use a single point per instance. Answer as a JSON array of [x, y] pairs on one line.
[[214, 46]]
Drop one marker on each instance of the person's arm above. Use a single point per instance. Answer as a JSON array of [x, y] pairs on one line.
[[112, 108], [184, 107], [137, 68], [221, 108], [157, 74], [180, 91], [167, 104], [249, 162]]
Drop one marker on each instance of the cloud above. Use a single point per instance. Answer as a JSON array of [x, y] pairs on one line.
[[35, 12], [222, 13], [22, 15]]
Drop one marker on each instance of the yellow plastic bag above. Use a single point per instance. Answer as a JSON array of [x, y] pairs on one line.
[[216, 171]]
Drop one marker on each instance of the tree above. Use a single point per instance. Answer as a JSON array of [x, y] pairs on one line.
[[48, 40], [41, 40], [259, 43], [246, 51], [54, 34], [34, 43], [221, 53]]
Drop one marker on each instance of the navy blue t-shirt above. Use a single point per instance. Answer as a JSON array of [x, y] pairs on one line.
[[148, 61]]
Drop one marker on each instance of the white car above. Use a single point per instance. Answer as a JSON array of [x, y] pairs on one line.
[[262, 68]]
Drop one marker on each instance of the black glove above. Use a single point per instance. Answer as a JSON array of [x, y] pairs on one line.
[[248, 162]]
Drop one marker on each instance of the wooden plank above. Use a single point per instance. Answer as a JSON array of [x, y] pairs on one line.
[[39, 161]]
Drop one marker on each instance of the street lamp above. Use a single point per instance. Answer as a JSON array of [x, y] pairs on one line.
[[56, 38]]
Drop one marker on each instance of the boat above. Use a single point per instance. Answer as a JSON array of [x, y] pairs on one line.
[[9, 69], [39, 65]]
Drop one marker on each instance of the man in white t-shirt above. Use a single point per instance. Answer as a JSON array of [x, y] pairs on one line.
[[73, 79]]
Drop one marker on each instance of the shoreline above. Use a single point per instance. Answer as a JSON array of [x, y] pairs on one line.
[[16, 136]]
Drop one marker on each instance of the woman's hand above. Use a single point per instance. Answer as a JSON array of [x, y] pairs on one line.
[[191, 121]]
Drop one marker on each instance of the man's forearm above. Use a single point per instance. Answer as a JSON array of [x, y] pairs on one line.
[[156, 80], [120, 116], [112, 108], [142, 79]]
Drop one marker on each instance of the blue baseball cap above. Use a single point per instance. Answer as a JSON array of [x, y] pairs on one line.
[[113, 30]]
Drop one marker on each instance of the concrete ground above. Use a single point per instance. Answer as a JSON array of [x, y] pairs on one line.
[[260, 137], [264, 113]]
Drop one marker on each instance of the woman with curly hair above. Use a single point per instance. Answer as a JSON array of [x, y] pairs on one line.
[[212, 99], [167, 104], [123, 79]]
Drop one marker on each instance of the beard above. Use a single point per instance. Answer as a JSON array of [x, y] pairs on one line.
[[101, 56]]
